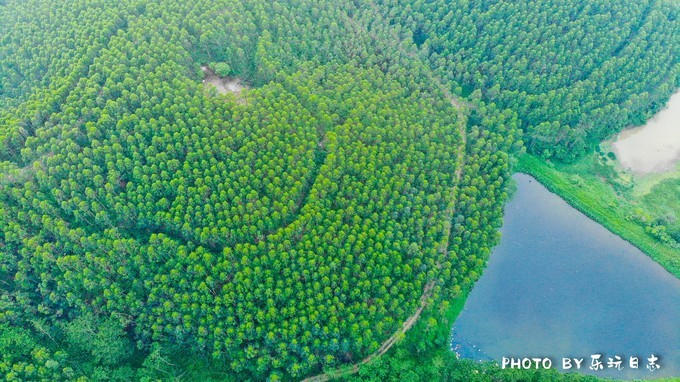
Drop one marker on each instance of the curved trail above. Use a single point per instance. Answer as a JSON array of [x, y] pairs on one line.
[[450, 211], [394, 338], [427, 291]]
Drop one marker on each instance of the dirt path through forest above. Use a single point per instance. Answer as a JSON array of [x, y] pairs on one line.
[[427, 291], [450, 211]]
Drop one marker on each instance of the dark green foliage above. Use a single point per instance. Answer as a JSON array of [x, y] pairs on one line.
[[575, 72], [22, 358], [99, 341]]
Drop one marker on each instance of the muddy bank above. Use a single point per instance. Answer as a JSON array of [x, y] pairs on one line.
[[654, 147]]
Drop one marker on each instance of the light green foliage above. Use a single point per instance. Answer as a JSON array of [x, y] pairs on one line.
[[222, 69], [150, 229], [288, 231]]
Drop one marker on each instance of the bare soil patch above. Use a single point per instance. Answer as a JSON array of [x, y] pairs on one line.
[[223, 85]]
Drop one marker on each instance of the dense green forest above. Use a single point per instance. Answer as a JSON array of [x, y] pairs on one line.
[[575, 71], [153, 229]]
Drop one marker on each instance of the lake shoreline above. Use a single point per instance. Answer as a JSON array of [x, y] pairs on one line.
[[555, 282], [606, 215]]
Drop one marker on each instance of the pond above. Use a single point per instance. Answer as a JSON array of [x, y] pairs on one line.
[[561, 285], [654, 147]]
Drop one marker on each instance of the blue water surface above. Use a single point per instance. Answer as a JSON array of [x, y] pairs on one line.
[[561, 285]]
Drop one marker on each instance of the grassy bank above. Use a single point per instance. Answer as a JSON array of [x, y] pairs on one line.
[[599, 201]]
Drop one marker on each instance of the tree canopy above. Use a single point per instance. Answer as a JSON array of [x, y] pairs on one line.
[[150, 226]]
